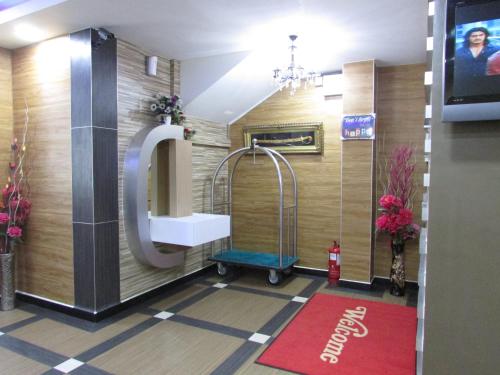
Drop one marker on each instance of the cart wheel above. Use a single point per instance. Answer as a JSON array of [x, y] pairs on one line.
[[288, 271], [221, 269], [274, 277]]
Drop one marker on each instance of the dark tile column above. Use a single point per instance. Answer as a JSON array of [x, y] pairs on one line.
[[95, 170]]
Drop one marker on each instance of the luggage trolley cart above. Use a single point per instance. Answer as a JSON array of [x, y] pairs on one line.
[[276, 262]]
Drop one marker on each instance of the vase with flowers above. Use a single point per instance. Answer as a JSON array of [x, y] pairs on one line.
[[168, 109], [396, 218], [15, 209]]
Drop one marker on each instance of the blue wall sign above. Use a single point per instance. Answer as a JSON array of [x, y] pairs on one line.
[[358, 127]]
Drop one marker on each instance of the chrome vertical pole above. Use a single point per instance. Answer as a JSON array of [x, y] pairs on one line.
[[295, 199], [280, 184], [214, 178]]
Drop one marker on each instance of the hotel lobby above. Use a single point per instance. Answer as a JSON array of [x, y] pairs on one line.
[[265, 187]]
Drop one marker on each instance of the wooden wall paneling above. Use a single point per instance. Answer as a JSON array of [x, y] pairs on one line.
[[6, 112], [135, 92], [171, 179], [400, 119], [180, 178], [255, 192], [41, 76], [357, 177]]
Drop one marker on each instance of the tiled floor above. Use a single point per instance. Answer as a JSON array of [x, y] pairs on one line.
[[206, 326]]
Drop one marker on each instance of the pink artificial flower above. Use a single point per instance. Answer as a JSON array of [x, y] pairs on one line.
[[14, 232], [382, 222], [4, 218], [8, 191], [390, 201], [405, 217], [22, 210], [393, 226]]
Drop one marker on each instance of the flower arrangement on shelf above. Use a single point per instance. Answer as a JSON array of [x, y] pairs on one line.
[[15, 206], [396, 218], [166, 106], [169, 110]]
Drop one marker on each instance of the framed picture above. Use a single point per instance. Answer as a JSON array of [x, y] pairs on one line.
[[295, 138]]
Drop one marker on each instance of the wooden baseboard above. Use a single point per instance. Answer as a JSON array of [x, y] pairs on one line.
[[310, 271], [377, 281], [355, 285]]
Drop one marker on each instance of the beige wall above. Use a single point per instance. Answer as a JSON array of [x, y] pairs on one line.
[[41, 78], [400, 121], [6, 119], [135, 92]]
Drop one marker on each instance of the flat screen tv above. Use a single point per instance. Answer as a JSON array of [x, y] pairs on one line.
[[472, 61]]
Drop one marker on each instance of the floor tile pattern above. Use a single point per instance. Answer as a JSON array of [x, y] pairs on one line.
[[208, 325]]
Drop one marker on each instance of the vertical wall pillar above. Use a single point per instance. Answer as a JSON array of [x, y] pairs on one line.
[[95, 170], [358, 187]]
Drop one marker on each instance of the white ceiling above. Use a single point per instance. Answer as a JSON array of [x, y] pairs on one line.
[[331, 32]]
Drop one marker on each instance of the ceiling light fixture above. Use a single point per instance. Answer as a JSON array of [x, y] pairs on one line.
[[292, 76], [28, 32]]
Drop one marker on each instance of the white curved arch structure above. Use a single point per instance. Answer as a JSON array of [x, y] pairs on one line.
[[135, 196]]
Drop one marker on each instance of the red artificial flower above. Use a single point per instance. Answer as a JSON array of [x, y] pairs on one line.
[[393, 226], [390, 201], [14, 232], [405, 217], [22, 210], [382, 222], [4, 218]]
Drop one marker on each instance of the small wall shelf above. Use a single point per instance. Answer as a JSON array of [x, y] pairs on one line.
[[191, 230]]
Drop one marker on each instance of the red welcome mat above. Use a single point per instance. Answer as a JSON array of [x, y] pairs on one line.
[[346, 336]]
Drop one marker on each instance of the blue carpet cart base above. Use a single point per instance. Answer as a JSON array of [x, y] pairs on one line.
[[271, 262]]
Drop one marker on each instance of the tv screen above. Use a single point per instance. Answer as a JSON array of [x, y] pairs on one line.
[[472, 56]]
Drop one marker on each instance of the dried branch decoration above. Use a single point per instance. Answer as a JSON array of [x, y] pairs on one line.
[[400, 169]]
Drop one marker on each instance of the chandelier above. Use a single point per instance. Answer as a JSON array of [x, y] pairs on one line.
[[292, 76]]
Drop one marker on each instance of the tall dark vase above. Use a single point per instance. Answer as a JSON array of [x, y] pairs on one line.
[[398, 272], [7, 278]]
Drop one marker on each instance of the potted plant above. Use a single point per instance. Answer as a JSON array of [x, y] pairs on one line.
[[15, 209], [396, 218], [168, 109]]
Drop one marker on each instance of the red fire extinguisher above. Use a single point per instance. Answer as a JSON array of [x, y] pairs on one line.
[[334, 263]]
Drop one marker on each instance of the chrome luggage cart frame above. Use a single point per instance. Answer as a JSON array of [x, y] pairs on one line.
[[276, 263]]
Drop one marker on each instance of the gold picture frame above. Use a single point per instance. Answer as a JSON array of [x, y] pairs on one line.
[[293, 138]]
